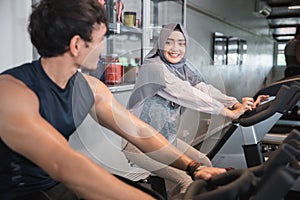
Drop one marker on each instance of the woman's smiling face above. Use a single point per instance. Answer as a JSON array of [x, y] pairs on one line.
[[175, 47]]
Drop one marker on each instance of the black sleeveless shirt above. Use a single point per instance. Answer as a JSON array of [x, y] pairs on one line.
[[64, 109]]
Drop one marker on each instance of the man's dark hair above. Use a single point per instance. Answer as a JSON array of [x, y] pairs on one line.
[[54, 22]]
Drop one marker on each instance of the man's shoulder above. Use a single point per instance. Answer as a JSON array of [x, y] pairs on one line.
[[11, 81], [19, 68], [15, 94], [96, 85]]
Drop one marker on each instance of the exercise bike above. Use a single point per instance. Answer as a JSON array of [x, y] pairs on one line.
[[270, 180]]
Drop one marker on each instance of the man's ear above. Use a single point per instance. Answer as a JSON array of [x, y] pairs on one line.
[[75, 45]]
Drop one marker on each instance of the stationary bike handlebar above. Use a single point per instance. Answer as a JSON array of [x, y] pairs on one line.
[[285, 98], [273, 88]]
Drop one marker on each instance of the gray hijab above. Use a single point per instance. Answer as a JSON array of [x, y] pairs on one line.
[[151, 77]]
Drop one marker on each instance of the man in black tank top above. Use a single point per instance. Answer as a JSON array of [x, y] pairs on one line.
[[43, 102], [292, 55]]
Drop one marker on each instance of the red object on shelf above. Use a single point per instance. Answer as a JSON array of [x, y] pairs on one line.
[[114, 73]]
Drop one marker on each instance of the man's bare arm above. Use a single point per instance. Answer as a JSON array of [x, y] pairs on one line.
[[27, 133], [109, 113]]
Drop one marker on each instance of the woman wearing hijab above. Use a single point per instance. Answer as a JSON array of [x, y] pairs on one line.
[[165, 86]]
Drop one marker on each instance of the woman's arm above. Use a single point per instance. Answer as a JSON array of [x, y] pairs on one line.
[[182, 93], [204, 98], [227, 101]]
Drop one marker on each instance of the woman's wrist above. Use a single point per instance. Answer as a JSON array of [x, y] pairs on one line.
[[236, 106], [229, 113]]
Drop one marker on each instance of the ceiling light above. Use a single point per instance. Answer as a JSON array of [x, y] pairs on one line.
[[284, 37], [295, 7]]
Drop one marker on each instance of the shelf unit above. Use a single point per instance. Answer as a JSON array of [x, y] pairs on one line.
[[156, 13], [133, 43]]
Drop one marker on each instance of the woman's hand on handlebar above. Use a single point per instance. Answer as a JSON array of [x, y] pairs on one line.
[[239, 108], [247, 103], [260, 99]]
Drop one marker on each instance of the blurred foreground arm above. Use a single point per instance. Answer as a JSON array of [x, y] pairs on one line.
[[109, 113]]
